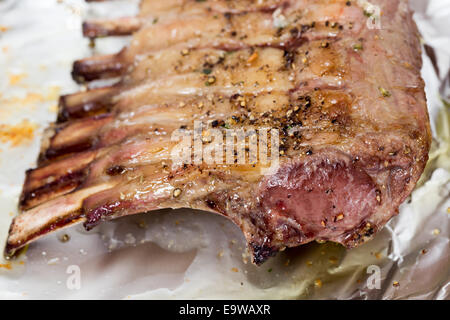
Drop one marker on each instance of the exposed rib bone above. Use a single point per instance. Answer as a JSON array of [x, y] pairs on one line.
[[55, 214], [50, 181], [111, 27], [74, 137], [97, 67]]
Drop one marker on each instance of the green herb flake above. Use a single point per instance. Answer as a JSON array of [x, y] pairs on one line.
[[384, 92]]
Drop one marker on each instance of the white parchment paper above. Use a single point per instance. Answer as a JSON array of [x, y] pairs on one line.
[[190, 254]]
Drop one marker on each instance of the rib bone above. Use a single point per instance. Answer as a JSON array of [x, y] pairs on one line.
[[116, 27]]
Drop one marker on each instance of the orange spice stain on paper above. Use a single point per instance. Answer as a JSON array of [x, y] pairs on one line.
[[6, 265], [32, 98], [53, 108], [9, 266], [16, 78], [17, 134]]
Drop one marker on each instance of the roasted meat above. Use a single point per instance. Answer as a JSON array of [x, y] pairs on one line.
[[338, 82]]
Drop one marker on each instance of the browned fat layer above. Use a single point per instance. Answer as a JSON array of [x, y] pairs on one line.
[[266, 9], [68, 182], [110, 66], [273, 7], [335, 118], [88, 109], [76, 137], [98, 209], [75, 217], [128, 25]]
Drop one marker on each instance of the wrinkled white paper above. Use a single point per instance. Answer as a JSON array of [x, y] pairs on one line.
[[189, 254]]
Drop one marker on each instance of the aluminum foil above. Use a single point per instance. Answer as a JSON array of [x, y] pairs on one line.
[[190, 254]]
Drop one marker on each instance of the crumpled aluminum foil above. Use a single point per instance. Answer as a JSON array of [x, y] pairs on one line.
[[189, 254]]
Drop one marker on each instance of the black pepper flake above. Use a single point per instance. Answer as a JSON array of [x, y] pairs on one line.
[[289, 58], [294, 32], [115, 170], [211, 204], [279, 32]]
